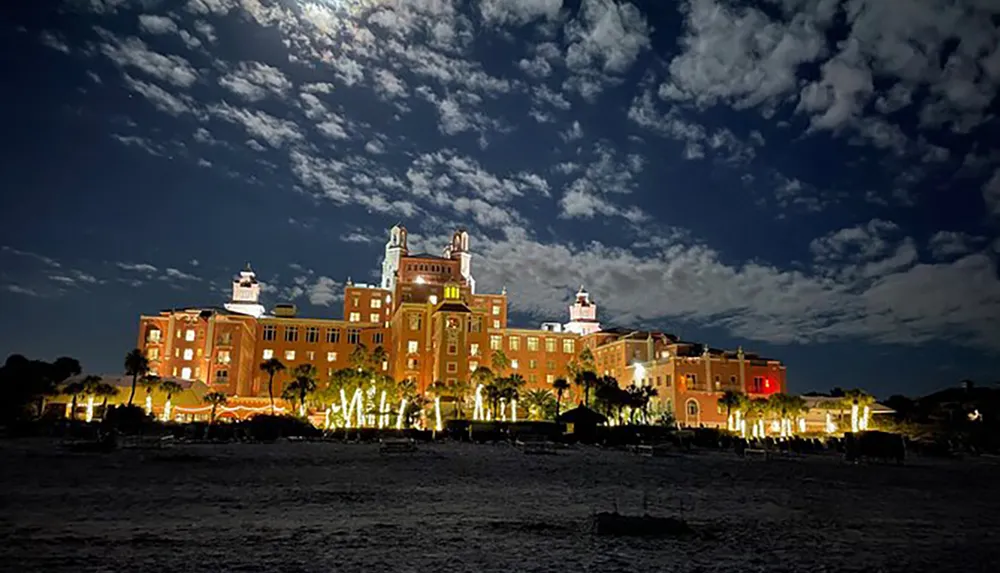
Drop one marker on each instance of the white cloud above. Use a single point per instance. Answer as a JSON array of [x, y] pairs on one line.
[[218, 7], [253, 81], [177, 274], [518, 12], [324, 291], [991, 194], [163, 100], [739, 55], [388, 85], [133, 52], [153, 24], [53, 41], [276, 132], [608, 34], [950, 244], [144, 268]]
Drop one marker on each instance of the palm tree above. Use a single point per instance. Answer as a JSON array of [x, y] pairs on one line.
[[560, 385], [499, 362], [303, 384], [586, 379], [136, 365], [857, 400], [54, 375], [271, 366], [149, 382], [360, 359], [539, 403], [73, 390], [169, 387], [377, 358], [731, 401], [492, 391], [216, 399], [105, 391], [91, 385]]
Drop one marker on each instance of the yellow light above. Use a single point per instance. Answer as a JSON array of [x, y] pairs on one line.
[[90, 408], [326, 422], [149, 404], [855, 422], [399, 417], [802, 425], [166, 411], [513, 410], [382, 417], [865, 417], [830, 426], [437, 415], [477, 411]]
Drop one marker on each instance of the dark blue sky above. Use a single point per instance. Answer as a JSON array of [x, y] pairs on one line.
[[812, 181]]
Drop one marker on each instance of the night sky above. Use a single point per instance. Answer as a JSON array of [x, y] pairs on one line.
[[816, 181]]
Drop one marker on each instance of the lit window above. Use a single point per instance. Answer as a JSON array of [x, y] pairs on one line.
[[312, 334], [223, 357], [153, 353], [474, 349], [496, 311], [289, 355], [451, 292], [452, 367], [353, 336], [532, 364], [412, 346], [225, 339], [331, 356], [374, 317], [568, 346], [476, 324], [550, 365], [434, 299], [310, 355], [268, 354], [718, 381], [533, 343], [355, 300], [189, 335], [495, 341], [412, 363], [414, 320], [496, 324], [691, 379], [333, 335], [355, 317], [513, 364], [329, 372], [186, 373], [514, 343], [550, 378], [175, 372], [291, 334], [385, 365], [188, 354], [692, 408], [154, 335], [270, 332], [376, 303], [473, 365], [550, 345]]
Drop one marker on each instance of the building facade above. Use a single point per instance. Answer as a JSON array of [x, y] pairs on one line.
[[431, 324]]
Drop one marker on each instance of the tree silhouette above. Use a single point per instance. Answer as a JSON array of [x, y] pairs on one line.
[[560, 385], [271, 366], [303, 384], [136, 365], [215, 399]]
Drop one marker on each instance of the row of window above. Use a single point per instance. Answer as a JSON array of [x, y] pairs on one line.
[[532, 343], [375, 303], [291, 334]]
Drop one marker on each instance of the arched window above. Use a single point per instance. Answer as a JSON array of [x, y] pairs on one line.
[[692, 408], [692, 412]]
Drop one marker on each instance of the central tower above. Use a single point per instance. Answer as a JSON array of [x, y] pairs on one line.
[[395, 249], [458, 250]]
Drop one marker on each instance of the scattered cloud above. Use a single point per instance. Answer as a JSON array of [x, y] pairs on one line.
[[134, 53], [253, 81]]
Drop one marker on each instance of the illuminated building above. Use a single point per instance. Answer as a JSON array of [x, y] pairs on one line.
[[433, 325]]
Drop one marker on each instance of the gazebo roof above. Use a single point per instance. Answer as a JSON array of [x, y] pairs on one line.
[[582, 415]]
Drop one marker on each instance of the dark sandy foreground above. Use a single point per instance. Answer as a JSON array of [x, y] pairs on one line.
[[453, 507]]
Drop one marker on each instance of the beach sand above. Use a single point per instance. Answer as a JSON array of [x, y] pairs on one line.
[[460, 507]]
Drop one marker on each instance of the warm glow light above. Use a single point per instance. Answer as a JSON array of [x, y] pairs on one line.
[[382, 417], [830, 426], [90, 408], [420, 280], [434, 299], [166, 411], [149, 404], [802, 425], [640, 372], [437, 414], [855, 421], [402, 411], [513, 410], [477, 411], [866, 415], [326, 421]]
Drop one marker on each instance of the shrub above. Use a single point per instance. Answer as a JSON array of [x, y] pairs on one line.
[[267, 428], [127, 420]]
